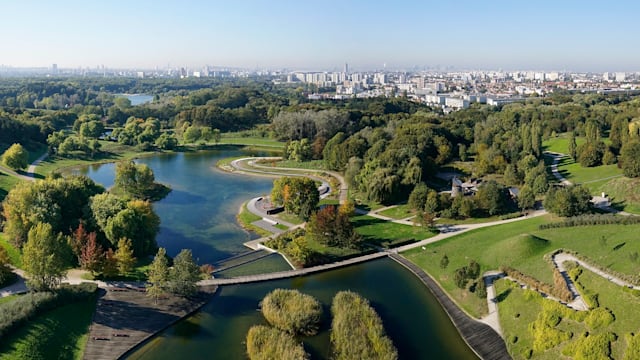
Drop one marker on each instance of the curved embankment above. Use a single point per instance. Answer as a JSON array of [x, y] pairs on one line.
[[480, 337]]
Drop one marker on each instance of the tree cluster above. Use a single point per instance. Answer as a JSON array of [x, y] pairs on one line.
[[298, 195], [180, 279], [568, 200]]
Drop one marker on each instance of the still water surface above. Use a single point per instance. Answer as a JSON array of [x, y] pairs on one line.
[[199, 214]]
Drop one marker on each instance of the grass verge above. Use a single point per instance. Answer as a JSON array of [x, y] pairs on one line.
[[58, 334], [388, 234]]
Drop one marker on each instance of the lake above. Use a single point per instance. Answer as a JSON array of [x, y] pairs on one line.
[[199, 214], [138, 99]]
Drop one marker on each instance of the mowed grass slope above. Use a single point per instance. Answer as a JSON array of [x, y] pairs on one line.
[[58, 334], [522, 245]]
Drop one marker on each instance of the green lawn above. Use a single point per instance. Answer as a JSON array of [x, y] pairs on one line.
[[7, 182], [522, 245], [14, 254], [623, 192], [446, 221], [398, 212], [578, 174], [235, 140], [290, 218], [9, 298], [386, 233], [309, 165], [58, 334], [560, 144]]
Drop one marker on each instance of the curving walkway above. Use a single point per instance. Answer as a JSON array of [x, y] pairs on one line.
[[30, 174]]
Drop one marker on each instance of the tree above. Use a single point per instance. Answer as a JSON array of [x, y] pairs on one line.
[[184, 274], [91, 255], [110, 264], [158, 276], [568, 200], [92, 129], [124, 257], [460, 277], [16, 157], [166, 142], [43, 258], [492, 197], [444, 261], [298, 195], [418, 197], [5, 270], [526, 198], [135, 180], [138, 223], [573, 147], [630, 158], [332, 227]]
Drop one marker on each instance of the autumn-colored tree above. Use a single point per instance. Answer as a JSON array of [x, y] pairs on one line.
[[16, 157], [91, 254], [78, 240], [331, 227]]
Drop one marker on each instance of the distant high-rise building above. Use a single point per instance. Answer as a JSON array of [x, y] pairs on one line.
[[346, 68], [620, 76], [54, 68]]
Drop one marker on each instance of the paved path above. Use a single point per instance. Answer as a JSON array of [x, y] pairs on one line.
[[560, 258], [554, 167], [126, 317], [30, 175], [31, 171]]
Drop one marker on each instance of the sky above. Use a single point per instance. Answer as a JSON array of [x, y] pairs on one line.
[[322, 35]]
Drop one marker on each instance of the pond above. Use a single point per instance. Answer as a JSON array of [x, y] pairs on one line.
[[199, 214], [412, 317]]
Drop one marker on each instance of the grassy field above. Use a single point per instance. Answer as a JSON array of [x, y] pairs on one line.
[[446, 221], [58, 334], [7, 182], [246, 218], [623, 192], [14, 254], [290, 218], [560, 144], [388, 234], [589, 176], [522, 245], [234, 140], [398, 212], [309, 165]]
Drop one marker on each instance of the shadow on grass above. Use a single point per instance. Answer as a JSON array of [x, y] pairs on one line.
[[502, 296]]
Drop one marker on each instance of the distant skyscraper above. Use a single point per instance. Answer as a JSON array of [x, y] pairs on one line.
[[346, 68], [54, 68]]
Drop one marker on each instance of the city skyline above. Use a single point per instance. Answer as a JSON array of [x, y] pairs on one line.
[[545, 35]]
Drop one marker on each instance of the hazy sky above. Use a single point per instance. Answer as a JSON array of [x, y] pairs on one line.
[[323, 34]]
